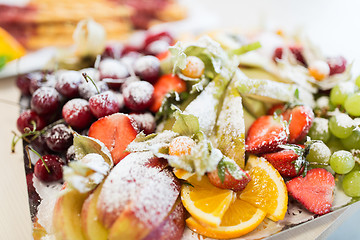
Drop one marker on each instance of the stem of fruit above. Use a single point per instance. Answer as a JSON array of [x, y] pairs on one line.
[[87, 78], [31, 149]]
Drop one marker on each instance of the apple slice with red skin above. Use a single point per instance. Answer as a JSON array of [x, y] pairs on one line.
[[66, 216], [91, 226], [172, 227], [137, 196]]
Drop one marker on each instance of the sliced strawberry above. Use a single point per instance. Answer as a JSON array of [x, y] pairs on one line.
[[315, 191], [229, 181], [266, 134], [165, 84], [116, 131], [302, 118], [280, 109], [283, 161]]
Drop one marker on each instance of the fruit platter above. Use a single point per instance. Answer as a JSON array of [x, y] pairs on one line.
[[204, 138]]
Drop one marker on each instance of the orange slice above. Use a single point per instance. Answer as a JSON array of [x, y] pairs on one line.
[[182, 174], [205, 202], [9, 47], [266, 190], [239, 219]]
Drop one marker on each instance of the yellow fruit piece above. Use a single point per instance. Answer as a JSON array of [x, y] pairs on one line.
[[239, 219], [205, 202], [266, 190], [9, 47], [182, 174]]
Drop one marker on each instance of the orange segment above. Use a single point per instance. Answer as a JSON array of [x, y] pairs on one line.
[[9, 47], [266, 190], [182, 174], [205, 202], [239, 219]]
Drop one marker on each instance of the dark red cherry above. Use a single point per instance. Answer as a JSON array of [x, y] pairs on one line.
[[147, 68], [45, 100], [138, 95], [59, 138], [113, 50], [145, 122], [54, 164], [87, 89], [104, 104], [23, 83], [27, 117], [77, 114], [68, 83]]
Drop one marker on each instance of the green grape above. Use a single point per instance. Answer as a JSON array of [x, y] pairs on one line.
[[352, 141], [334, 144], [352, 104], [357, 81], [342, 162], [341, 125], [320, 130], [340, 92], [356, 167], [351, 184], [319, 153]]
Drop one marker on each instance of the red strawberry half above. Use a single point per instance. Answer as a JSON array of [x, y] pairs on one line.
[[314, 191], [266, 134], [302, 118], [283, 161], [229, 182], [116, 131], [165, 84]]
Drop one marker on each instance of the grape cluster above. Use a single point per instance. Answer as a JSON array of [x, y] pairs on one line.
[[121, 82], [340, 130]]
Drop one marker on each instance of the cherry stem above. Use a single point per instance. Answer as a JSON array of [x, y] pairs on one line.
[[33, 150], [87, 78]]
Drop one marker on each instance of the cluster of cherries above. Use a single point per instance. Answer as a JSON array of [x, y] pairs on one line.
[[122, 81]]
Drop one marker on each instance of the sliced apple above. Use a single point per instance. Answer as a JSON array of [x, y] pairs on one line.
[[230, 127], [172, 227], [66, 218], [271, 91], [137, 196], [91, 226]]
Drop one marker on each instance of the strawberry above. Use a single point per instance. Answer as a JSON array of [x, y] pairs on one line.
[[280, 109], [116, 131], [165, 84], [266, 134], [229, 182], [283, 161], [315, 191], [302, 118]]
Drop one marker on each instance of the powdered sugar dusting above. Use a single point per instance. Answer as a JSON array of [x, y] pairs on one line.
[[75, 107], [139, 91], [151, 191], [344, 120], [112, 68], [48, 194], [321, 125], [204, 108]]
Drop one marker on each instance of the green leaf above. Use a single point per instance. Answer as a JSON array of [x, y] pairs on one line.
[[234, 169], [296, 93], [171, 98], [247, 48], [221, 168], [178, 56], [185, 124], [85, 145], [153, 142], [2, 61]]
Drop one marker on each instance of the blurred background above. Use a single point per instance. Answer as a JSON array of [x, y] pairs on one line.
[[331, 24]]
